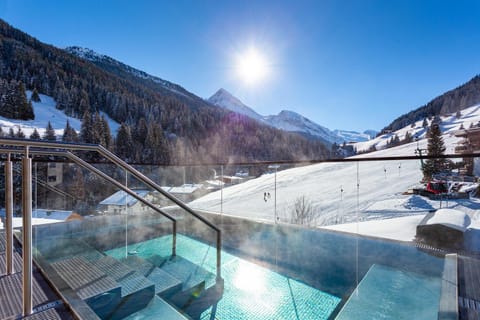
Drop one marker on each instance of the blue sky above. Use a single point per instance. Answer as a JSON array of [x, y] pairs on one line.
[[344, 64]]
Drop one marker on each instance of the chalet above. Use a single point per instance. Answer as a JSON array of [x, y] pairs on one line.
[[120, 201], [188, 192], [469, 143]]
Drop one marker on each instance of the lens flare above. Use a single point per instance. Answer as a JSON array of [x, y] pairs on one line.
[[252, 66]]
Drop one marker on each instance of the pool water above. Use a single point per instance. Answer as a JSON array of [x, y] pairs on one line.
[[387, 293], [250, 292]]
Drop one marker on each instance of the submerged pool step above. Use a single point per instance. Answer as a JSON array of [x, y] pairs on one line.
[[101, 292], [165, 284], [190, 274], [176, 279], [130, 280], [158, 309], [112, 289], [57, 249]]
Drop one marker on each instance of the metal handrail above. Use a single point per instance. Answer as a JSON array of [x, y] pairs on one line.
[[91, 168], [119, 162]]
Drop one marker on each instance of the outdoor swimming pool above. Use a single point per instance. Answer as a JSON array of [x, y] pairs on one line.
[[255, 292]]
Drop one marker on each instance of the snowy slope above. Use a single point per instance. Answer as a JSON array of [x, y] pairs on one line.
[[332, 190], [45, 111], [450, 124], [285, 120], [353, 136]]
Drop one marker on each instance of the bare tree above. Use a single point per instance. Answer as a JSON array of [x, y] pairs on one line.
[[303, 212]]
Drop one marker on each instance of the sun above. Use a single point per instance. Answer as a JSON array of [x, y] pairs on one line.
[[252, 66]]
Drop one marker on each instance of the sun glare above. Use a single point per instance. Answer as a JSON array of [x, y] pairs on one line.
[[252, 66]]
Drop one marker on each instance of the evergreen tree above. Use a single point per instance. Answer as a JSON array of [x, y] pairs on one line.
[[458, 115], [1, 132], [98, 130], [435, 147], [11, 133], [106, 134], [20, 134], [35, 97], [35, 135], [155, 150], [49, 133], [408, 137], [425, 123], [24, 109], [86, 130], [124, 143], [140, 132], [437, 120], [69, 134]]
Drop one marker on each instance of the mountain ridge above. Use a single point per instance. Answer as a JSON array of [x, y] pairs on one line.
[[286, 120]]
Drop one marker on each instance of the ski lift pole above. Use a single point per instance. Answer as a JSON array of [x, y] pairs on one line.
[[275, 166]]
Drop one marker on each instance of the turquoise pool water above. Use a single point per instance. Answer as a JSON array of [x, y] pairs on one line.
[[251, 291], [387, 293]]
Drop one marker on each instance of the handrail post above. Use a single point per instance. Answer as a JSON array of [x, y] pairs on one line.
[[27, 233], [9, 213], [174, 241], [219, 255]]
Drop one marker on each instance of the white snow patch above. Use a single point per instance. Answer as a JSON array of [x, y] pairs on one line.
[[451, 218], [46, 111], [401, 229]]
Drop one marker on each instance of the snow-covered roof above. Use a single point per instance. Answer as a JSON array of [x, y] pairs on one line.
[[51, 214], [215, 183], [451, 218], [186, 188], [121, 198]]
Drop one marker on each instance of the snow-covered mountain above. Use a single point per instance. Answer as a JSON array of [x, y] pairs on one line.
[[286, 120], [224, 99], [292, 121]]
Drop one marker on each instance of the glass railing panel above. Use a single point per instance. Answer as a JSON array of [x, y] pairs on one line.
[[348, 229]]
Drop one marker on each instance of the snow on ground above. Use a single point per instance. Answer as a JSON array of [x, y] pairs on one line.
[[45, 111], [39, 216], [401, 229], [451, 218], [450, 123], [331, 188]]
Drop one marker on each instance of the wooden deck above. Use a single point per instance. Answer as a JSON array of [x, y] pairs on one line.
[[46, 304]]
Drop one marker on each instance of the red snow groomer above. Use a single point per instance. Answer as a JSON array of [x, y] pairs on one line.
[[437, 187]]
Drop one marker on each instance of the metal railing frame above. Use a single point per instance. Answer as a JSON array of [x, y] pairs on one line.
[[26, 147], [21, 146]]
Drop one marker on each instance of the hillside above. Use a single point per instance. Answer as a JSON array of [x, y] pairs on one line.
[[45, 112], [449, 124], [331, 191], [162, 122], [452, 101]]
